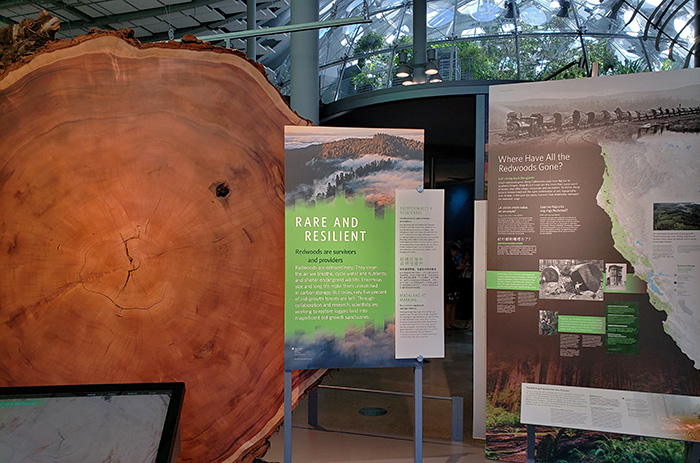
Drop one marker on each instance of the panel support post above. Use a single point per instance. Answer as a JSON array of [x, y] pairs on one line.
[[530, 443], [692, 450], [287, 416], [312, 403], [480, 147], [457, 418], [418, 405]]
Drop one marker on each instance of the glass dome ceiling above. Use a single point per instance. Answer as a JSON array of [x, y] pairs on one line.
[[473, 39], [502, 40]]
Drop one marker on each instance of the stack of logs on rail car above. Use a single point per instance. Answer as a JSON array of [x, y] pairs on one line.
[[677, 119]]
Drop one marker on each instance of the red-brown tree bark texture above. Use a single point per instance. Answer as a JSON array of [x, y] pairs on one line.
[[141, 230]]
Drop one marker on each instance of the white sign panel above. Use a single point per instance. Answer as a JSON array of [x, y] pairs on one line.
[[606, 410], [419, 274]]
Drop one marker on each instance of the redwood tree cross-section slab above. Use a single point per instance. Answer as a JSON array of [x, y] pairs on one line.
[[141, 230]]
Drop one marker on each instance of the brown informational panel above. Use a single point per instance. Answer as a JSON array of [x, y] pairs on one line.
[[593, 248], [141, 230]]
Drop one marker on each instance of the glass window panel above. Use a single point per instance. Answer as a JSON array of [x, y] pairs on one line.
[[440, 19], [629, 56], [560, 23], [659, 59], [390, 23], [634, 22], [597, 22], [282, 75], [346, 88], [486, 59], [534, 16], [329, 83], [352, 7], [333, 45], [406, 29], [325, 9], [542, 55], [384, 24], [445, 60], [381, 4], [486, 46], [365, 74], [481, 14], [366, 42], [681, 26]]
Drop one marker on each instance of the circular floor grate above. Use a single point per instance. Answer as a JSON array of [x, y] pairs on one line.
[[373, 411]]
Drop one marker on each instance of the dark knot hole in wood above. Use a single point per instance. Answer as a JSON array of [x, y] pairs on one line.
[[222, 190]]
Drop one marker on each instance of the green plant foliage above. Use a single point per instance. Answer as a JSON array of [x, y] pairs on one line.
[[488, 60], [600, 52], [372, 70], [634, 450], [544, 55], [369, 42], [676, 216], [498, 417], [370, 75], [669, 65], [541, 57], [631, 67]]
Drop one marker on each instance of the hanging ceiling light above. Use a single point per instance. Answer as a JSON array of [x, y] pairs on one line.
[[430, 67], [511, 10], [424, 66], [404, 70], [435, 78], [563, 8]]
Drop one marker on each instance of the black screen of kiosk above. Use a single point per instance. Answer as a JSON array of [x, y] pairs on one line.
[[135, 423]]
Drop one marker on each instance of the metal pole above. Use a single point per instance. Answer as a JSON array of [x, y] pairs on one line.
[[692, 452], [453, 52], [312, 403], [418, 403], [584, 49], [530, 443], [287, 417], [697, 33], [646, 54], [307, 26], [517, 48], [250, 25], [303, 59], [420, 40], [457, 418], [480, 147]]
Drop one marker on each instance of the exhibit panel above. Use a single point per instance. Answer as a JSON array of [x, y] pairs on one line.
[[419, 263], [668, 416], [341, 275], [141, 220], [593, 251]]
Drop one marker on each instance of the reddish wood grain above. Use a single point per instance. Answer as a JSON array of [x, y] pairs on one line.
[[141, 230]]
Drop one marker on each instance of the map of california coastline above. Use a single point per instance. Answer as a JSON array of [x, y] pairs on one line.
[[634, 181]]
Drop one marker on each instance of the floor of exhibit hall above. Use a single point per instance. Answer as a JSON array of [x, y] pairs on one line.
[[344, 434]]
